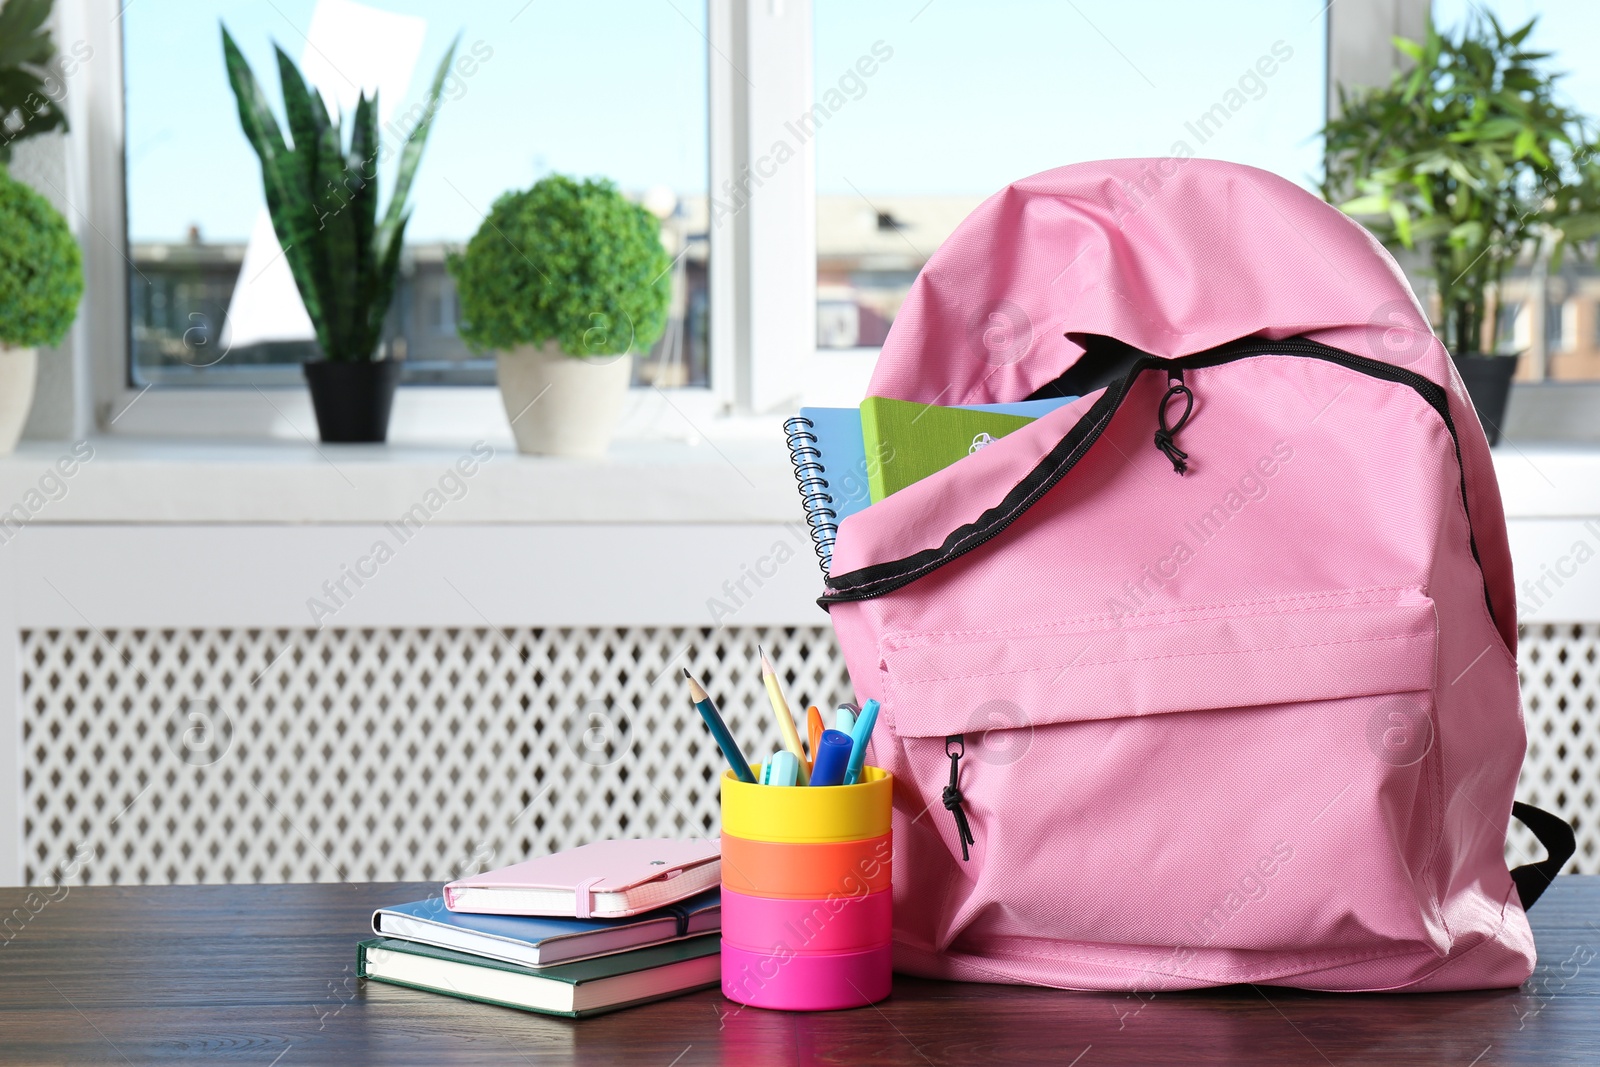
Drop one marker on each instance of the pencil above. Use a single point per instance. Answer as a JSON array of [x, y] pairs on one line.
[[780, 708], [719, 730]]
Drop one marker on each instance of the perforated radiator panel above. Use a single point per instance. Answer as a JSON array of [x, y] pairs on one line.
[[157, 756], [282, 756]]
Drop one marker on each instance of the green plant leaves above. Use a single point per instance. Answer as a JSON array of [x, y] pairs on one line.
[[27, 108], [1468, 154], [284, 180], [41, 268], [1401, 217], [566, 261], [323, 199], [411, 153]]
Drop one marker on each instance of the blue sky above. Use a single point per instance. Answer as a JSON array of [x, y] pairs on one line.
[[975, 94], [610, 87], [980, 94], [1567, 28]]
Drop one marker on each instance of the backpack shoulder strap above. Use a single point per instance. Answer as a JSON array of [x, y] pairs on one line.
[[1559, 842]]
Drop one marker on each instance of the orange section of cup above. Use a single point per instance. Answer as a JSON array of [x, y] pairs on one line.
[[817, 870]]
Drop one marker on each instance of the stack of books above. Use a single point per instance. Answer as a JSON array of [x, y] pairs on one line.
[[513, 937]]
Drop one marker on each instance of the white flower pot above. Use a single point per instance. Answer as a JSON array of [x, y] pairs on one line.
[[561, 405], [19, 367]]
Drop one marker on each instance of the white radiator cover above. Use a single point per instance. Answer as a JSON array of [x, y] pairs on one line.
[[423, 753], [1559, 664], [155, 756]]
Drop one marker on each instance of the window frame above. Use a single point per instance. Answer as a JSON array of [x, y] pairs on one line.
[[759, 320]]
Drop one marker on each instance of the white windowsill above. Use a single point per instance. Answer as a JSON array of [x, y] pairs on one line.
[[1548, 480], [740, 475], [423, 415], [249, 456], [130, 480]]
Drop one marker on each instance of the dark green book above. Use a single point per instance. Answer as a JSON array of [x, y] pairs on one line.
[[576, 990]]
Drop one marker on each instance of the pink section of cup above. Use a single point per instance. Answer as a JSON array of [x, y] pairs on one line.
[[834, 924], [799, 982]]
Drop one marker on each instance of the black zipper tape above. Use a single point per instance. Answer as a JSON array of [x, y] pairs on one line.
[[878, 579]]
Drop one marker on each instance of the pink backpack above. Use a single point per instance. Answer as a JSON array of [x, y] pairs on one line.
[[1208, 676]]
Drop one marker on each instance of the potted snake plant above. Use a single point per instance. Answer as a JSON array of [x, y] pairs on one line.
[[1469, 157], [322, 194], [564, 281]]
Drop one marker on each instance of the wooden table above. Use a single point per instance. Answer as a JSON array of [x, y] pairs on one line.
[[264, 975]]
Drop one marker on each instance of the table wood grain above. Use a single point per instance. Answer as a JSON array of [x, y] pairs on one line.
[[265, 975]]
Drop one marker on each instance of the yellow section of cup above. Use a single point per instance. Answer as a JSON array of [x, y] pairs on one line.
[[808, 813]]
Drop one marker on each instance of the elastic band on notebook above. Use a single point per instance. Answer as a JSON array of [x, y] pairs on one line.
[[585, 897]]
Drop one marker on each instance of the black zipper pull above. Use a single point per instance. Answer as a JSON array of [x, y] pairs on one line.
[[1165, 435], [952, 793]]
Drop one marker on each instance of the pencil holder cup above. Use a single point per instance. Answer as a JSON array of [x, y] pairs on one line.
[[806, 901]]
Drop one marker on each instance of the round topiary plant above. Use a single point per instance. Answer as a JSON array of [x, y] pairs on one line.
[[41, 268], [569, 262]]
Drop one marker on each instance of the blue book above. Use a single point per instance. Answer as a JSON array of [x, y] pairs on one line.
[[834, 470], [1032, 409], [541, 941]]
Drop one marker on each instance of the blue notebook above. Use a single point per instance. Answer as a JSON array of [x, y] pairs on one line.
[[540, 941], [832, 467]]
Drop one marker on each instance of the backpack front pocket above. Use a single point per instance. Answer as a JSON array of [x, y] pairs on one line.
[[1188, 779]]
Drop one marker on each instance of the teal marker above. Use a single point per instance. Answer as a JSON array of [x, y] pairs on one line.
[[781, 768], [859, 738], [844, 720]]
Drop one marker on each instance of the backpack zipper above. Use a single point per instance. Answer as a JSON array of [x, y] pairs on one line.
[[1165, 434], [951, 797], [878, 579]]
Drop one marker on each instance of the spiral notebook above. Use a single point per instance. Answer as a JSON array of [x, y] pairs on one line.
[[835, 469]]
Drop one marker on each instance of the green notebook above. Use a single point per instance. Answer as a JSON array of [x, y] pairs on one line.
[[914, 440], [576, 990]]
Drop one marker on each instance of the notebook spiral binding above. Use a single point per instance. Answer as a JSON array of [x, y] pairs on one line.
[[822, 519]]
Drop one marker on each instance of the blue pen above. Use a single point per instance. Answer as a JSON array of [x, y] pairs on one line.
[[863, 733], [833, 756], [782, 768], [844, 720], [719, 730]]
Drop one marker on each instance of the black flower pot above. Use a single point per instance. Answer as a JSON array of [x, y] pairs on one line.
[[1488, 382], [352, 400]]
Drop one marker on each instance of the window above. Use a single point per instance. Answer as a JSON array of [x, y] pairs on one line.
[[602, 88], [1559, 318], [1510, 327], [925, 108], [939, 105]]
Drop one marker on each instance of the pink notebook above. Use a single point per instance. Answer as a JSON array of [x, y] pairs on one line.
[[601, 880]]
